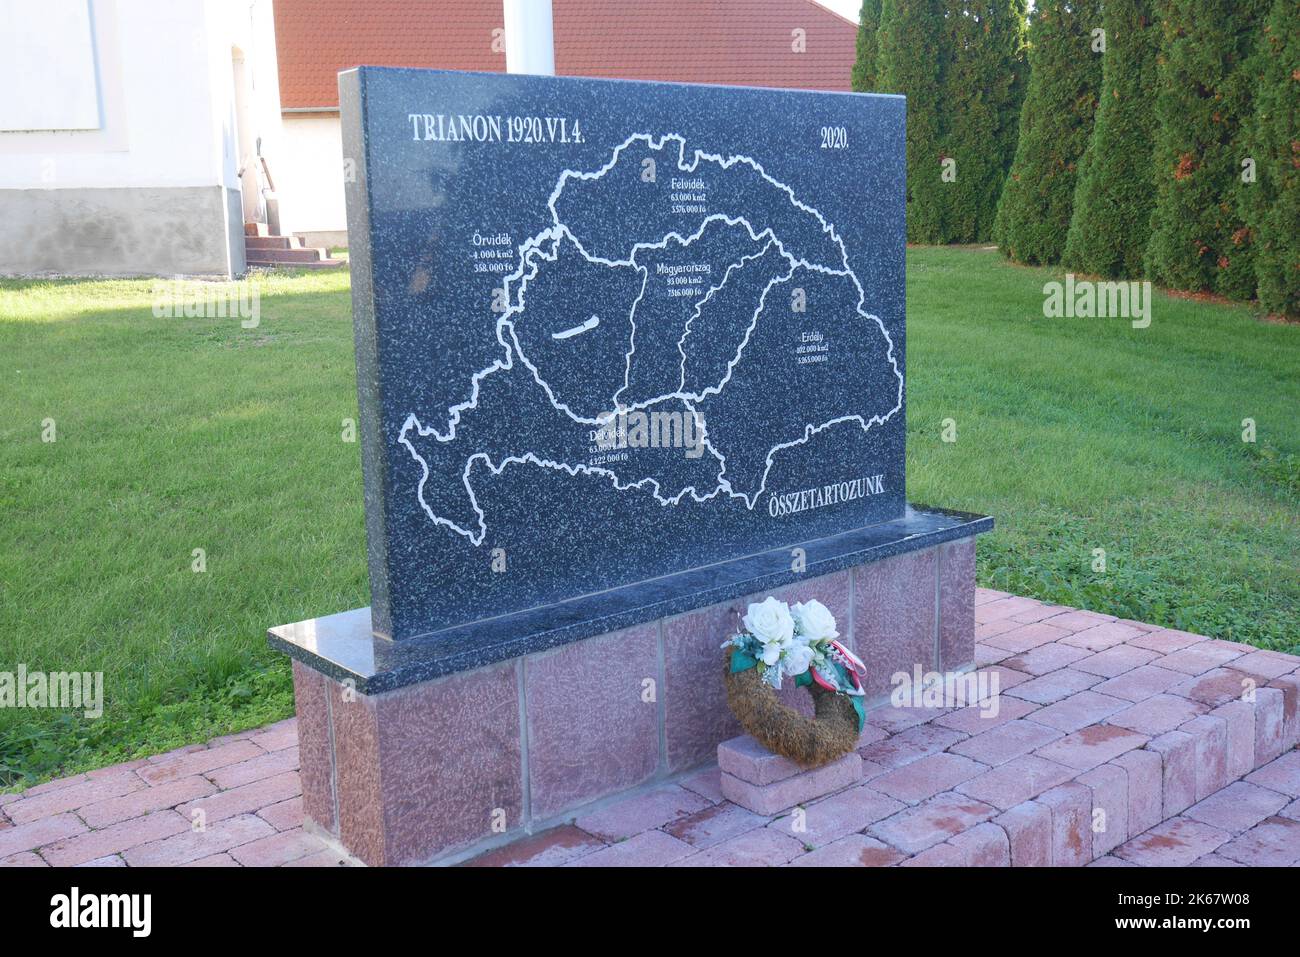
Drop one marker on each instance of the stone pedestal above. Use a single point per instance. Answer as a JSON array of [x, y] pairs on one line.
[[767, 783], [418, 750]]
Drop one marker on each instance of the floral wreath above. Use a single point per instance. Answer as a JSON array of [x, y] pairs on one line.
[[800, 642]]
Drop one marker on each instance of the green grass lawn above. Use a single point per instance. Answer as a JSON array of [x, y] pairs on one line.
[[183, 434]]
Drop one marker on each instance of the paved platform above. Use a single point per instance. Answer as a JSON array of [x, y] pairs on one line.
[[1116, 743]]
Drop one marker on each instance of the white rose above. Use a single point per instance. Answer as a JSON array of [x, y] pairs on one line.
[[816, 623], [797, 658], [769, 621], [773, 649]]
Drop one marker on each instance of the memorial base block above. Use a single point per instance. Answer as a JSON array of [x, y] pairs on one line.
[[766, 783], [437, 769]]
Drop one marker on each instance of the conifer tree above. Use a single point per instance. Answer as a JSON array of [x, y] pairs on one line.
[[979, 112], [1116, 190], [1272, 203], [1198, 239], [911, 61], [864, 64], [1056, 123]]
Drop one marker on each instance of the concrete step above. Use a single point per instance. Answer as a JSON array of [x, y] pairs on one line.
[[286, 255], [271, 242], [313, 264], [256, 229]]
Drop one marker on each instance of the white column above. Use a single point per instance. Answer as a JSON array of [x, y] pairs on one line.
[[530, 39]]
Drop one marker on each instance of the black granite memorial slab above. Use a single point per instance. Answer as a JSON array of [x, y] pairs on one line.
[[611, 332]]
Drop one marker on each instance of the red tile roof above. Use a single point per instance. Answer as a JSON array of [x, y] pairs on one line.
[[743, 42]]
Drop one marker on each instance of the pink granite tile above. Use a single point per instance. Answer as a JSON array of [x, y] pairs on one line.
[[1274, 842], [1115, 661], [641, 812], [1164, 712], [1027, 637], [927, 777], [1017, 781], [1045, 658], [450, 756], [591, 729], [1103, 636], [696, 716], [647, 849], [1001, 744], [315, 755], [1078, 711], [894, 616], [1141, 683], [1088, 747], [1173, 843], [1028, 827], [937, 819], [956, 604], [550, 848], [1053, 686], [853, 850], [761, 847], [1237, 807]]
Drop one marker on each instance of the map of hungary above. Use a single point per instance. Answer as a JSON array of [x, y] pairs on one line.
[[664, 284]]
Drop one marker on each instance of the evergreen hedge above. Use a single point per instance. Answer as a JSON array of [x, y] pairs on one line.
[[1033, 214]]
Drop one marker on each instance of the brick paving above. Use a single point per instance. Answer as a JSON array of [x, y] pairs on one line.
[[1116, 743]]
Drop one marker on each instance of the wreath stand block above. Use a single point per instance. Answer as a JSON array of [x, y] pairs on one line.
[[767, 784]]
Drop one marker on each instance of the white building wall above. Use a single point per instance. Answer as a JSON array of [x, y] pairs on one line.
[[310, 180], [149, 184]]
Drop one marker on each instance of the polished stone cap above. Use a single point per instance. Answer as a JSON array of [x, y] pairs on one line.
[[344, 647]]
